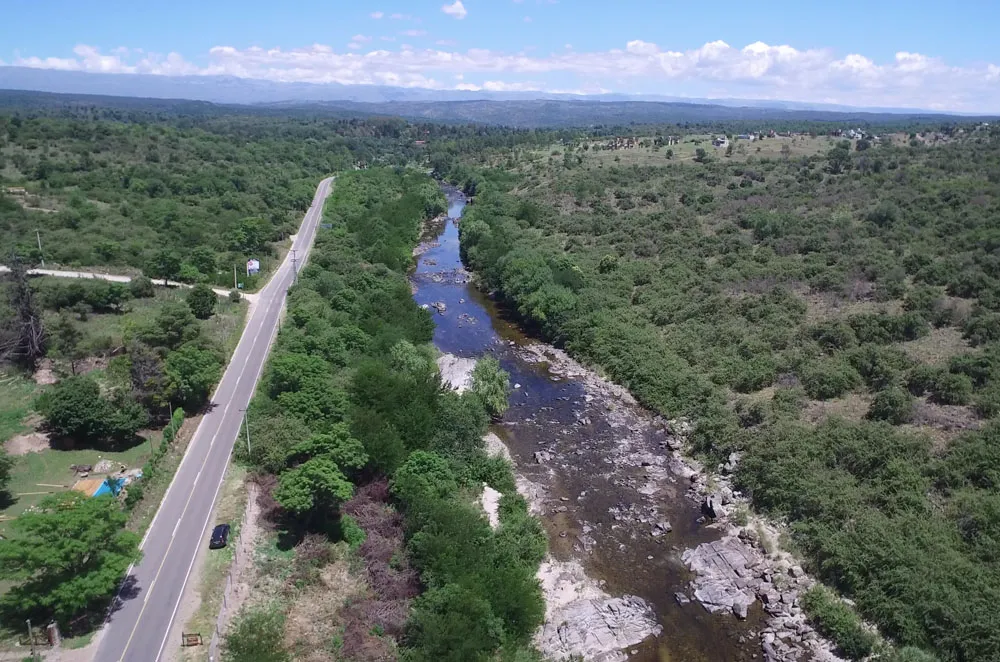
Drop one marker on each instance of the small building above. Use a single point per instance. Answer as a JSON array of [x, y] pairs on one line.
[[16, 190], [721, 141]]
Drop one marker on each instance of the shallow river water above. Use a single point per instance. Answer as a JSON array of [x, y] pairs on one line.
[[598, 460]]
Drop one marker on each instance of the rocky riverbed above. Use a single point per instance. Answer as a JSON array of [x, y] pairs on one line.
[[647, 560]]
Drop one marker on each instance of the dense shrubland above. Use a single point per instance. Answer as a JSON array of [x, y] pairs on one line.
[[351, 397], [744, 295]]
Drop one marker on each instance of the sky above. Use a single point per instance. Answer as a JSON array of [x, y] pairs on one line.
[[874, 53]]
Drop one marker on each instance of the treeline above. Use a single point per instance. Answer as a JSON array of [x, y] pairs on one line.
[[743, 295], [351, 397]]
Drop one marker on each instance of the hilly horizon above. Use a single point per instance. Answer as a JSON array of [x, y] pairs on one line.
[[228, 89]]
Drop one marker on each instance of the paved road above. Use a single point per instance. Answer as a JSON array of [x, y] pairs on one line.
[[93, 275], [137, 630]]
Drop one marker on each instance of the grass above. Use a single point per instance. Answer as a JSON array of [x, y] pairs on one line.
[[936, 347], [17, 392], [109, 329], [35, 473], [73, 643], [685, 151], [154, 487]]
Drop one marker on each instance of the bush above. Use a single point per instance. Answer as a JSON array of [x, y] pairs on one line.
[[351, 532], [141, 287], [824, 379], [911, 654], [952, 389], [922, 378], [257, 634], [893, 405], [788, 401], [834, 619]]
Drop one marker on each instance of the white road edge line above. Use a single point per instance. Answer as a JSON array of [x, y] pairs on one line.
[[222, 479], [324, 186]]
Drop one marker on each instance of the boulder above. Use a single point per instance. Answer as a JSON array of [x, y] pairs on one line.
[[712, 507]]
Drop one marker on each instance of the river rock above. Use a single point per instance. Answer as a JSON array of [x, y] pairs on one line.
[[721, 575], [541, 457], [582, 620], [712, 507], [456, 371]]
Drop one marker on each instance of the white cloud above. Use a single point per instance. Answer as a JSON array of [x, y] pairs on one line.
[[413, 33], [757, 70], [456, 9], [400, 17], [377, 15], [356, 42]]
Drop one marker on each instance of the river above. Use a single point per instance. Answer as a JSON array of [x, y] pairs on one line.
[[597, 458]]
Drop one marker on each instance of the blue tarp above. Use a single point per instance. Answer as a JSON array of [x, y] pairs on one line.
[[113, 486]]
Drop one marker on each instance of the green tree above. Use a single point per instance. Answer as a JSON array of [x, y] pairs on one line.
[[338, 445], [317, 484], [165, 264], [74, 408], [452, 624], [66, 557], [173, 326], [424, 475], [202, 300], [6, 465], [491, 384], [204, 260], [273, 440], [191, 373], [66, 339]]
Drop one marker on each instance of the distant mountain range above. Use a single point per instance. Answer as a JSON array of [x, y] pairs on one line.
[[512, 108], [230, 89]]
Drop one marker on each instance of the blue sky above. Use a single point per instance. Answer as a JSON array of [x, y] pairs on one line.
[[916, 53]]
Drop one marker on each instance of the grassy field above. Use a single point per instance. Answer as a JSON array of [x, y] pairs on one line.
[[36, 475], [104, 331], [16, 396], [686, 150]]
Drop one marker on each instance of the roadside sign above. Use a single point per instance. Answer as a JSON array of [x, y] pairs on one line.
[[253, 266]]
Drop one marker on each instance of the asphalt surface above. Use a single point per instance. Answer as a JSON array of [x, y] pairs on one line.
[[138, 626]]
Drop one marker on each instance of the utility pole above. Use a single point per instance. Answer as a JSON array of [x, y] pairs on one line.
[[295, 266], [236, 285], [31, 639], [246, 426], [38, 236]]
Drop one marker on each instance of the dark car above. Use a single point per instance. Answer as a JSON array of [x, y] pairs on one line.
[[220, 537]]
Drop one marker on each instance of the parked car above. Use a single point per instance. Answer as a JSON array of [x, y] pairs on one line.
[[220, 537]]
